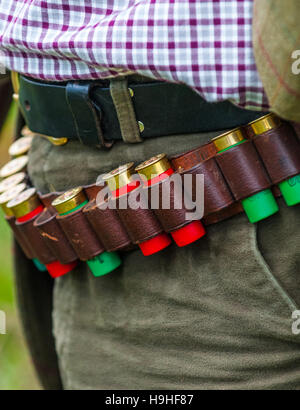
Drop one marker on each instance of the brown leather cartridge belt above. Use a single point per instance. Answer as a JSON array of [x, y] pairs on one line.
[[269, 156]]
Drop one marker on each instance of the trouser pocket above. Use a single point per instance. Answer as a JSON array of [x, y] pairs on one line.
[[278, 240]]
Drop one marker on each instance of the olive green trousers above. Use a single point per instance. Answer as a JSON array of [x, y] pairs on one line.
[[214, 315]]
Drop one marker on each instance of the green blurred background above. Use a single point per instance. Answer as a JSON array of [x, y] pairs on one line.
[[16, 371]]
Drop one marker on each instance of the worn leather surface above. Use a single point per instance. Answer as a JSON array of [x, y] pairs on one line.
[[54, 237], [141, 224], [174, 215], [107, 226], [38, 246], [164, 109], [81, 235], [218, 200], [243, 170], [280, 151], [21, 239], [226, 213], [47, 199], [187, 160], [217, 195], [92, 191]]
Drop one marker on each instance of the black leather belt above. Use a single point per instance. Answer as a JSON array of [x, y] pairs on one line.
[[85, 111]]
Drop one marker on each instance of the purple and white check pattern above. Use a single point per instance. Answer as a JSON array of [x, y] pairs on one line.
[[205, 44]]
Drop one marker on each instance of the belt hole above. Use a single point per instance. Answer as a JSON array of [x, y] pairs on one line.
[[27, 105]]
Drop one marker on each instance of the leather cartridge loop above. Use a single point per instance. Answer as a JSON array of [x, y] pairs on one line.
[[296, 127], [170, 218], [11, 220], [107, 226], [125, 111], [81, 235], [140, 224], [243, 170], [92, 190], [87, 117], [232, 210], [279, 149], [217, 195], [47, 199], [39, 247], [54, 236]]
